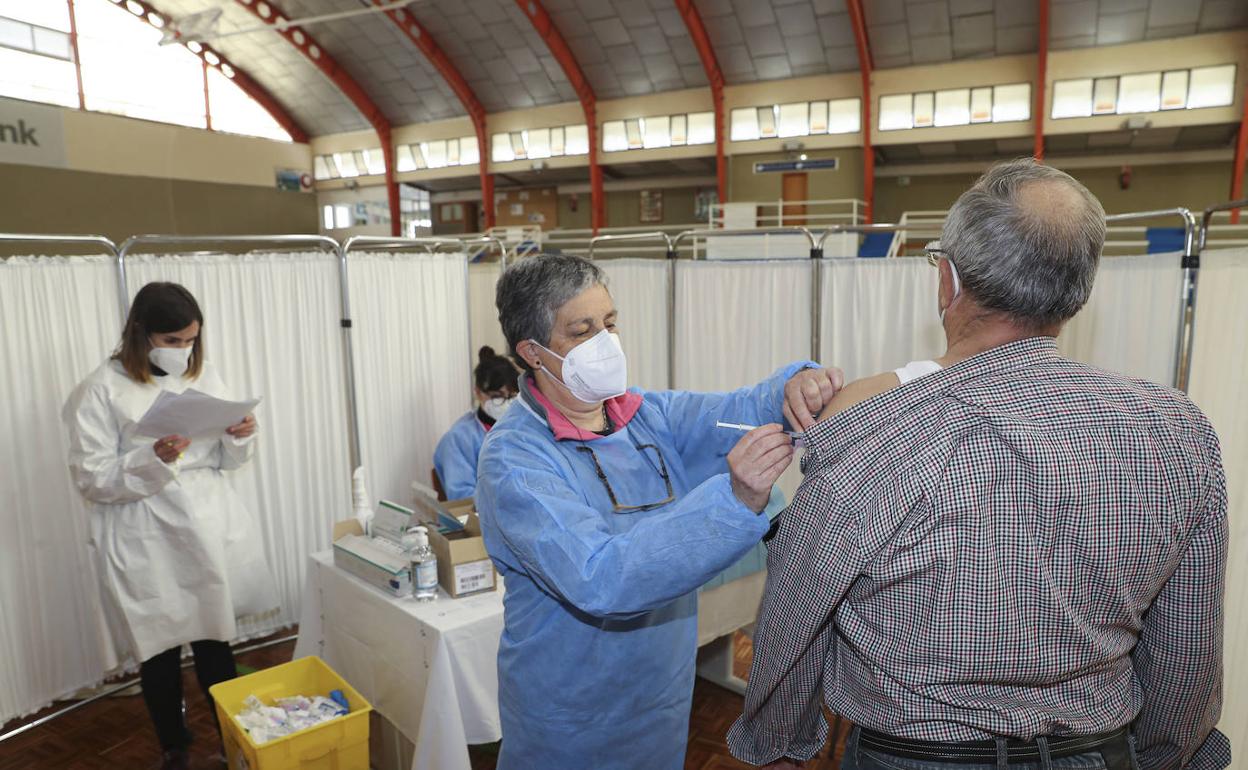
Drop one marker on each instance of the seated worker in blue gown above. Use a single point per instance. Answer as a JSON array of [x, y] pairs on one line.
[[455, 459], [605, 509]]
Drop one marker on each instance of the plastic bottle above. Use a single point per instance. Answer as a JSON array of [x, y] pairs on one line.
[[424, 564]]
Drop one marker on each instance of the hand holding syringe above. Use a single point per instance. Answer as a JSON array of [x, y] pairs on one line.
[[796, 436]]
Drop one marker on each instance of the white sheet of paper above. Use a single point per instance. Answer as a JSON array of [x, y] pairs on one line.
[[192, 414]]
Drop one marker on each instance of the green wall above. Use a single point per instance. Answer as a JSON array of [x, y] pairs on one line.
[[35, 199]]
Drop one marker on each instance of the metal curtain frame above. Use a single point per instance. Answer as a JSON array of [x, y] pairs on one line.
[[816, 255], [97, 240], [1207, 217], [325, 242], [430, 243], [817, 312], [670, 258], [1190, 263]]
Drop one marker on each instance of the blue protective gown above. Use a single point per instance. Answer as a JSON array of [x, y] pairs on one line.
[[455, 458], [596, 661]]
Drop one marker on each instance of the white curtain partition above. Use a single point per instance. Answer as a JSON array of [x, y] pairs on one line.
[[59, 319], [640, 289], [1130, 324], [737, 322], [1219, 370], [878, 314], [412, 362], [482, 280], [271, 329]]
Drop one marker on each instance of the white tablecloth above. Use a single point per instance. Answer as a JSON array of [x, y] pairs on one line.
[[402, 655]]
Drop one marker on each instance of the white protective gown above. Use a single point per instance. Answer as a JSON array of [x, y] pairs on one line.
[[179, 555]]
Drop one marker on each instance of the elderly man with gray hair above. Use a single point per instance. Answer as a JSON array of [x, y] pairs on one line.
[[1001, 557]]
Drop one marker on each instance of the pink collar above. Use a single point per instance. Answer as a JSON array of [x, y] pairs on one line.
[[621, 410]]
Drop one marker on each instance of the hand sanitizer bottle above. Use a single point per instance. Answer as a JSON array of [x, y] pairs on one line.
[[424, 564]]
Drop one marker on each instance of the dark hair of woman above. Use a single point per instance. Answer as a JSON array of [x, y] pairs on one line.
[[493, 372], [159, 308]]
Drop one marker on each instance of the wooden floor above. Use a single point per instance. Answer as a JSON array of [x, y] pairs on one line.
[[115, 732]]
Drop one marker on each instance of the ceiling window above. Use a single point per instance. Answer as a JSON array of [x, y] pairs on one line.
[[533, 143], [953, 107], [956, 107], [838, 116], [896, 112], [124, 69], [1072, 98], [658, 131], [1011, 103], [981, 105], [1186, 89], [1212, 87], [1139, 93]]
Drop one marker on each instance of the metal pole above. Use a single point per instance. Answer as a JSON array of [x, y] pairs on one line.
[[94, 240], [1191, 273], [816, 297], [647, 236], [710, 233], [125, 686], [429, 243], [1190, 263], [671, 314]]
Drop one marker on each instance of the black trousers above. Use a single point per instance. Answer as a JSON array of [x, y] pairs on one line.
[[161, 677]]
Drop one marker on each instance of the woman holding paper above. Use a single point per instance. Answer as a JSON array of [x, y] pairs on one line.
[[179, 555]]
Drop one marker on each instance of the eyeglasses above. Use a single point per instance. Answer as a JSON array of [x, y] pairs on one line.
[[935, 253], [661, 469]]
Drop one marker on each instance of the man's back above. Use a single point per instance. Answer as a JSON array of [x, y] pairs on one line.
[[989, 541]]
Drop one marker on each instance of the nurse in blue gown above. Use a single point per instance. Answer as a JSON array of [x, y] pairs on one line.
[[605, 508], [455, 459]]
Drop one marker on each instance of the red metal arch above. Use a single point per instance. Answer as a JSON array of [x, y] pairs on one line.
[[865, 65], [300, 39], [545, 27], [217, 60], [419, 35], [1042, 74], [702, 41]]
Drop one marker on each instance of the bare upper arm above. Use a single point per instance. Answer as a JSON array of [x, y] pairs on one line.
[[858, 391]]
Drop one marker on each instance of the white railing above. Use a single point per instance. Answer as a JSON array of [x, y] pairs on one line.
[[1224, 235], [576, 241], [921, 227], [924, 226], [812, 214]]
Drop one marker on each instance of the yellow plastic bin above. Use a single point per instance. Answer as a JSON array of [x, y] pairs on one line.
[[339, 744]]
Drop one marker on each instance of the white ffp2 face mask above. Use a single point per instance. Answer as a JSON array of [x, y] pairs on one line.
[[495, 408], [957, 290], [172, 361], [594, 370]]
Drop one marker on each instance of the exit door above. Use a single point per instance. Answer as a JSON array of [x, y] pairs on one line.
[[793, 188]]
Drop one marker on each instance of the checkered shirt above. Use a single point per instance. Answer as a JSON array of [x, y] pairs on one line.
[[1018, 545]]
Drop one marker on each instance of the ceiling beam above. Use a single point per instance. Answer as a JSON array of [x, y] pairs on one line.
[[702, 41], [218, 61], [419, 35], [267, 12], [865, 65], [545, 27]]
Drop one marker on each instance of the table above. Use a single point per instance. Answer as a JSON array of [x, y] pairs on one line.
[[402, 654]]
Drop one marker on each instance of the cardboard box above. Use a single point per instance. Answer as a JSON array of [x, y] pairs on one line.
[[368, 560], [379, 561], [464, 568]]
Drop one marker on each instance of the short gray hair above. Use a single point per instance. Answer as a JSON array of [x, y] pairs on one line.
[[1026, 240], [531, 291]]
